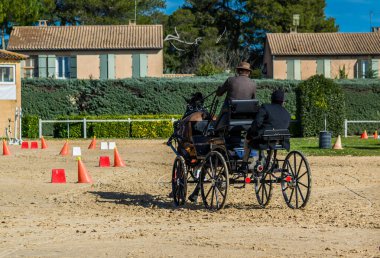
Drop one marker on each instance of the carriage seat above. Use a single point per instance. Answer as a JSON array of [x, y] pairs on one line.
[[242, 114], [276, 139]]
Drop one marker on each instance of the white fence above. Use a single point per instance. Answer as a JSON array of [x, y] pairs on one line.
[[346, 122], [85, 121]]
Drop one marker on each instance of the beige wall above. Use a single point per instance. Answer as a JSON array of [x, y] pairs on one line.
[[88, 66], [88, 62], [155, 63], [123, 66], [279, 69], [8, 107], [308, 68]]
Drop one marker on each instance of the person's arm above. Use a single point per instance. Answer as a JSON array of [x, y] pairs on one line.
[[257, 123], [222, 89]]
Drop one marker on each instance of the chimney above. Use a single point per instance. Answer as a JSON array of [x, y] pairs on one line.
[[42, 23], [132, 22], [376, 29]]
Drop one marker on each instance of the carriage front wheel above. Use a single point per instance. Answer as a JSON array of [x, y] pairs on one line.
[[214, 181], [179, 181], [296, 180]]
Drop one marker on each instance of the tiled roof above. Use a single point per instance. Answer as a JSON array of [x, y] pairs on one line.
[[94, 37], [324, 43], [7, 55]]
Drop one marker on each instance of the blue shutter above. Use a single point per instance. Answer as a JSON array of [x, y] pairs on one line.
[[103, 67], [290, 69], [73, 67], [143, 65], [51, 66], [320, 68], [42, 66], [297, 69], [135, 65], [111, 66]]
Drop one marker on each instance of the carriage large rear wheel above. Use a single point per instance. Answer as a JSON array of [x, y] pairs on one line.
[[179, 181], [214, 181], [296, 180]]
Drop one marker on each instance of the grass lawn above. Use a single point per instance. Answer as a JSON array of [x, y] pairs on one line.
[[353, 146]]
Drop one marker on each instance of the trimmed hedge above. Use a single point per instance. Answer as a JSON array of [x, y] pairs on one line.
[[320, 98], [50, 98]]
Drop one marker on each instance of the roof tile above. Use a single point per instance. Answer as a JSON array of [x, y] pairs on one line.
[[94, 37]]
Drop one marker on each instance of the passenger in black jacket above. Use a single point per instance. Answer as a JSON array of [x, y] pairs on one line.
[[270, 116]]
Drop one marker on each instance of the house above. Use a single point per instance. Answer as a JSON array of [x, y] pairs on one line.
[[10, 90], [301, 55], [95, 52]]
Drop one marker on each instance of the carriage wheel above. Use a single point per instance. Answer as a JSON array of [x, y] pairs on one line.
[[263, 188], [296, 180], [214, 181], [263, 183], [179, 181]]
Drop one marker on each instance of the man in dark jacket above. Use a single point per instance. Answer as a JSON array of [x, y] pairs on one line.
[[237, 87], [270, 116]]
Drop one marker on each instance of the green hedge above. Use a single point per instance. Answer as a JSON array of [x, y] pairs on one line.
[[49, 99]]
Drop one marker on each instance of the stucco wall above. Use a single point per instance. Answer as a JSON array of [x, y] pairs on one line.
[[348, 64], [267, 61], [279, 69], [155, 63], [8, 107], [88, 66], [123, 66], [308, 68]]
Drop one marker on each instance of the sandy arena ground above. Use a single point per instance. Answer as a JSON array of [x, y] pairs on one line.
[[127, 211]]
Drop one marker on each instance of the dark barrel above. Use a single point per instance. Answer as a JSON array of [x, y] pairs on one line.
[[325, 140]]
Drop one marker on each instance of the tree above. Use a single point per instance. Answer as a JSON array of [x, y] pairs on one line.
[[90, 12], [18, 12]]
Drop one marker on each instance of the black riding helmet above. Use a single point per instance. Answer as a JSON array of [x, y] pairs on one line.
[[278, 96]]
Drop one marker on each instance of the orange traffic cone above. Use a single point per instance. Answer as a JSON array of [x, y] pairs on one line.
[[118, 162], [65, 149], [375, 135], [364, 135], [338, 144], [83, 175], [43, 143], [92, 145], [6, 151]]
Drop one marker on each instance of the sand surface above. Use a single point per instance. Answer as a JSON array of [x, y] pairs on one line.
[[127, 211]]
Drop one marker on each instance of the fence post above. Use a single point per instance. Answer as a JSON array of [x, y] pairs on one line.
[[130, 127], [84, 128], [345, 128], [68, 129], [40, 128]]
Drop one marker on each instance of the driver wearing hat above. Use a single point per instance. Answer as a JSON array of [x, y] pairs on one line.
[[240, 86]]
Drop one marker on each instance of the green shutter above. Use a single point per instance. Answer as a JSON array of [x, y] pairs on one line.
[[42, 66], [290, 69], [103, 67], [22, 65], [143, 65], [111, 66], [73, 67], [51, 66], [375, 67], [320, 66], [135, 65], [327, 68], [297, 69], [360, 68]]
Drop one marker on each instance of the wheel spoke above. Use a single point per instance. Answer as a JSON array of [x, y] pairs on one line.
[[298, 178], [221, 192], [291, 196], [303, 184], [266, 193], [285, 188], [295, 163], [208, 192], [296, 197], [216, 198], [212, 196], [299, 190], [299, 168]]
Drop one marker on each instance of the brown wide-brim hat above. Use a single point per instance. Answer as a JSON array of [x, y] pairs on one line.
[[244, 66]]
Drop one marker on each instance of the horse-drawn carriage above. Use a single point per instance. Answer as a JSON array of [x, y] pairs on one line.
[[210, 157]]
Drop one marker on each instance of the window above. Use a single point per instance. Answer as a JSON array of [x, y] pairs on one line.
[[31, 67], [62, 67], [7, 74], [361, 68]]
